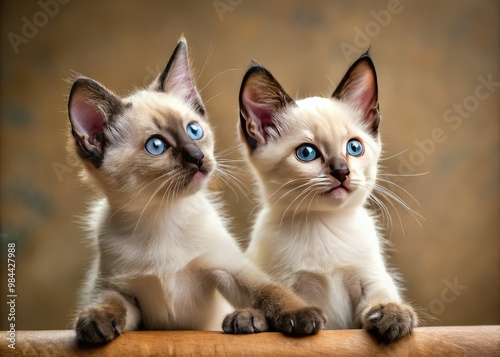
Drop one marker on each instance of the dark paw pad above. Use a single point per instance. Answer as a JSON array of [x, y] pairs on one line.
[[306, 321], [245, 321], [389, 322]]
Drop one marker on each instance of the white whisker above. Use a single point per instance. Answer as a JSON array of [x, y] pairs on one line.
[[312, 187], [209, 54], [403, 175], [395, 209], [214, 96], [149, 201], [401, 188], [227, 151], [163, 197], [263, 201], [233, 178], [396, 198], [217, 75], [393, 156]]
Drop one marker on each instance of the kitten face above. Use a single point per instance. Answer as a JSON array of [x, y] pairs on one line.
[[316, 153], [161, 147], [149, 148]]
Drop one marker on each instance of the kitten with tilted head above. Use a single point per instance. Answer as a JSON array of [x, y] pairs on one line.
[[315, 163], [163, 256]]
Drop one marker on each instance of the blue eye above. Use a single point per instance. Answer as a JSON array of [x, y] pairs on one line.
[[306, 152], [355, 148], [194, 131], [156, 146]]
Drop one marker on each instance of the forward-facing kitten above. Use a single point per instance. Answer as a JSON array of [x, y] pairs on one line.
[[163, 254], [315, 161]]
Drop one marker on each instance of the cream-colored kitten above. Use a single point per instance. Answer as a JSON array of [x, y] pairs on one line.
[[163, 254], [315, 161]]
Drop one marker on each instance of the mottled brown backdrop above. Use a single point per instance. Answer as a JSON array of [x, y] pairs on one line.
[[439, 78]]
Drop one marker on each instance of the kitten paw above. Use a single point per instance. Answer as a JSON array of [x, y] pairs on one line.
[[390, 321], [245, 321], [100, 324], [305, 321]]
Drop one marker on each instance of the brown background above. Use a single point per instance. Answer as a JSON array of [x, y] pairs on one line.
[[430, 56]]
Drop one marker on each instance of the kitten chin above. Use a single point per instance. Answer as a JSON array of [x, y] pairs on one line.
[[315, 161], [164, 258]]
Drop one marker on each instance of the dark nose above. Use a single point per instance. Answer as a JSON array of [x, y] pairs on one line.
[[339, 169], [192, 154]]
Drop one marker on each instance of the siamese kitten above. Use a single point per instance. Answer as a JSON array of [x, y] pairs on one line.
[[163, 255], [315, 162]]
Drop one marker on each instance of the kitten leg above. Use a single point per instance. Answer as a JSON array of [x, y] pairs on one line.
[[286, 312], [275, 308], [106, 318], [311, 286], [272, 306], [382, 312]]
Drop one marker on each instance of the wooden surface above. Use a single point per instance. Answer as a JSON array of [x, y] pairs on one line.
[[425, 341]]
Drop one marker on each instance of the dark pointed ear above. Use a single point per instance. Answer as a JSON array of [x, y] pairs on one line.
[[261, 97], [177, 78], [359, 88], [90, 108]]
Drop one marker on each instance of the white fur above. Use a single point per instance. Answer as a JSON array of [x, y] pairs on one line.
[[162, 264]]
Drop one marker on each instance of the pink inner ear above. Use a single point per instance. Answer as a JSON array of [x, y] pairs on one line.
[[258, 110], [179, 80], [87, 120], [362, 92]]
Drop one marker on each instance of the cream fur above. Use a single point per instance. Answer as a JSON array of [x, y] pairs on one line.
[[165, 248], [328, 248], [163, 256], [163, 264]]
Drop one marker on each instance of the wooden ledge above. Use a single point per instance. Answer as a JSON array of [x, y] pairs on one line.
[[424, 341]]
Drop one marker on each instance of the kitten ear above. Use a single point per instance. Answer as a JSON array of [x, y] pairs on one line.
[[261, 97], [90, 108], [359, 88], [177, 78]]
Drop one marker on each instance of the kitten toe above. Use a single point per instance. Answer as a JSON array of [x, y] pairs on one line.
[[98, 325], [389, 322], [245, 321], [306, 321]]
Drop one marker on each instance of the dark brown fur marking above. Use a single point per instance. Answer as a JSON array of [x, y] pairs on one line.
[[103, 321], [390, 321]]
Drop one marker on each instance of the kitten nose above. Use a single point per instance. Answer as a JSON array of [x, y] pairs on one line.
[[339, 169], [193, 154]]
